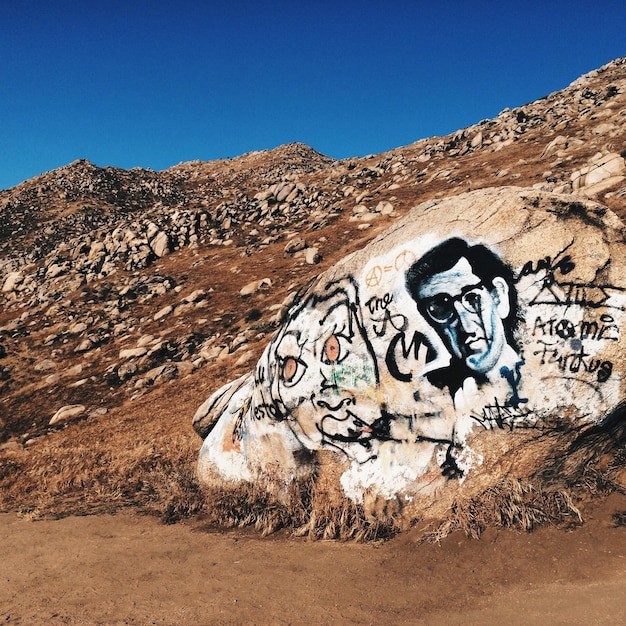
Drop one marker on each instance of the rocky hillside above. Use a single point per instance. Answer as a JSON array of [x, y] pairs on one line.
[[116, 284]]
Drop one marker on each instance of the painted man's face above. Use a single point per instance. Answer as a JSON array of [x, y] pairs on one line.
[[467, 315]]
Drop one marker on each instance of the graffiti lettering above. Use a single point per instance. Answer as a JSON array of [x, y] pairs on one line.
[[564, 265], [375, 304], [514, 378], [555, 291], [397, 321], [605, 328], [575, 362], [501, 416], [381, 305], [418, 341], [268, 411], [569, 293]]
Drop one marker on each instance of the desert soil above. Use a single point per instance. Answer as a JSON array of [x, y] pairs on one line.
[[132, 569]]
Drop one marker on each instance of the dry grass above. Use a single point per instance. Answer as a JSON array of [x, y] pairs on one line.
[[585, 465], [88, 469], [147, 461], [601, 478], [510, 504], [309, 510], [75, 482]]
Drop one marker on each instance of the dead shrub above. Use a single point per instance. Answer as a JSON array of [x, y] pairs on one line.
[[510, 504], [307, 511]]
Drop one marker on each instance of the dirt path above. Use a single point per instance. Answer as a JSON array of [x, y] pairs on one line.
[[129, 569]]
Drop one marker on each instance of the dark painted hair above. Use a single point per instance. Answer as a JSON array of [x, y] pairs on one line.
[[485, 264]]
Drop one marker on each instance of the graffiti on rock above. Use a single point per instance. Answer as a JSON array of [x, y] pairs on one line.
[[571, 322], [320, 375], [396, 366], [466, 293], [320, 370]]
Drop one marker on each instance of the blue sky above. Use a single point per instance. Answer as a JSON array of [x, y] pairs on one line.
[[137, 83]]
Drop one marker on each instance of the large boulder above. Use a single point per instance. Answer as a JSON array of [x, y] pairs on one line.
[[474, 341]]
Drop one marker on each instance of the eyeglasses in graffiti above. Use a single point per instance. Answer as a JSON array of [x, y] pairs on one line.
[[442, 307]]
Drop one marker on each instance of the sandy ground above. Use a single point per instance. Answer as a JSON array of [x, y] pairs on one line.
[[131, 569]]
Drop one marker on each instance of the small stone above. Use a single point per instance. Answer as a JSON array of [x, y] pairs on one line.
[[145, 340], [12, 281], [130, 353], [67, 413], [55, 270], [160, 244], [185, 368], [295, 245], [209, 354], [384, 208], [477, 140], [163, 312], [255, 286], [195, 296], [45, 366], [126, 370], [84, 346], [312, 256], [244, 358], [77, 328]]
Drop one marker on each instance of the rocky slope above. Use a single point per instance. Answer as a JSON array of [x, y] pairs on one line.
[[115, 283]]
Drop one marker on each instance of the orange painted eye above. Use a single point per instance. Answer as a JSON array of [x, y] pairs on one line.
[[290, 368], [332, 349]]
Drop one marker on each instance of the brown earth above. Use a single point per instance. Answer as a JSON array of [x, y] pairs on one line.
[[130, 569]]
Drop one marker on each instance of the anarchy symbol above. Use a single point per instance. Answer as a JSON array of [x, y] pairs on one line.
[[374, 276]]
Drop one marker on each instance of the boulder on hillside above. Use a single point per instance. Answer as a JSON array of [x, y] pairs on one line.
[[12, 280], [160, 245], [476, 340]]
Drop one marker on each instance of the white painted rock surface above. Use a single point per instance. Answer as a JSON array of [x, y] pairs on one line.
[[425, 363]]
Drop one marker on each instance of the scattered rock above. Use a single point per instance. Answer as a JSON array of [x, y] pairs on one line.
[[312, 256], [255, 286], [294, 245], [166, 310], [126, 371], [160, 244], [145, 340], [195, 296], [12, 281], [131, 353], [84, 346], [67, 413], [45, 366], [601, 167]]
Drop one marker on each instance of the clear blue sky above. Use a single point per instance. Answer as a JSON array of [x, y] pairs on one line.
[[151, 83]]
